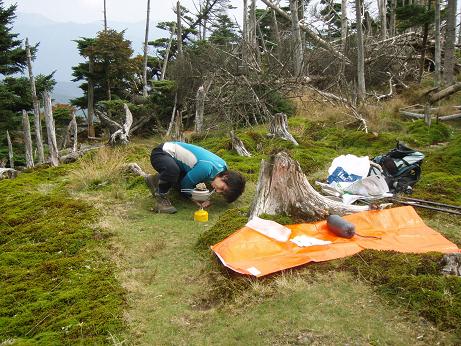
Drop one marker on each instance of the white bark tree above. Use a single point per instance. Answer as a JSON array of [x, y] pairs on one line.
[[449, 51], [343, 24], [10, 149], [146, 41], [360, 52], [36, 104], [438, 50], [50, 130], [27, 140], [167, 53], [91, 132], [383, 17], [179, 29], [298, 51]]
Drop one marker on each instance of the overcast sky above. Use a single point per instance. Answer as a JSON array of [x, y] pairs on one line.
[[84, 11]]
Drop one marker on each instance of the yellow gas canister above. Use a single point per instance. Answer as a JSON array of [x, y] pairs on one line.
[[201, 215]]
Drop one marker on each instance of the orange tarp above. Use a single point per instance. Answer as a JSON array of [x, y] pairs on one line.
[[401, 229]]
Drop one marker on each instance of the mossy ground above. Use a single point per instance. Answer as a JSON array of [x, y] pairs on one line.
[[176, 292], [56, 286]]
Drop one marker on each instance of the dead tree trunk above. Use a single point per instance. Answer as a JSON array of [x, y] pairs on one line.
[[437, 48], [146, 41], [50, 130], [91, 132], [74, 130], [199, 109], [278, 127], [179, 28], [167, 53], [173, 113], [450, 37], [310, 34], [200, 105], [252, 33], [36, 104], [178, 132], [238, 145], [245, 48], [360, 52], [275, 30], [283, 188], [27, 140], [10, 150], [297, 42]]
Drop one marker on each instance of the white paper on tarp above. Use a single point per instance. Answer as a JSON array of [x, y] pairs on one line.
[[304, 240], [269, 228], [351, 164]]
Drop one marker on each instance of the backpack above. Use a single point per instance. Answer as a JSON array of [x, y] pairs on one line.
[[401, 167]]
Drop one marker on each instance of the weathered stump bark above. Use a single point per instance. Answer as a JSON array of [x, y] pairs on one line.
[[278, 127], [10, 149], [50, 130], [27, 140], [8, 173], [283, 188], [238, 145], [451, 264]]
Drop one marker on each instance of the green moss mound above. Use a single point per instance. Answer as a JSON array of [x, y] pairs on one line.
[[414, 281], [56, 287], [228, 223], [421, 134]]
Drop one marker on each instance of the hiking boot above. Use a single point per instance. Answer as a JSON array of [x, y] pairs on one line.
[[164, 205], [152, 183]]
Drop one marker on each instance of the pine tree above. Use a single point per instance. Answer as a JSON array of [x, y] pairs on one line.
[[13, 56]]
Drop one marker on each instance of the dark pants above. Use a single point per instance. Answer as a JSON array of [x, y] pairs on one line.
[[167, 168]]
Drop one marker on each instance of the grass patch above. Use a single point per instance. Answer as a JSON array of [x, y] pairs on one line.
[[56, 286]]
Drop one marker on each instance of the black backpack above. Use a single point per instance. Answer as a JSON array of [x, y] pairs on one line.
[[401, 167]]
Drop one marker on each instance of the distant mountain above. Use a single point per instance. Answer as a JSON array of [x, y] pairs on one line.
[[58, 51]]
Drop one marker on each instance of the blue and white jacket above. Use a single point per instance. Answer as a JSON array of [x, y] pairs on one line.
[[199, 164]]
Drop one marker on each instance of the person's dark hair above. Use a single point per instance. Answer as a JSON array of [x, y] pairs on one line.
[[236, 185]]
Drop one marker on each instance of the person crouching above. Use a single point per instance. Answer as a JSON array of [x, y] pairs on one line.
[[188, 165]]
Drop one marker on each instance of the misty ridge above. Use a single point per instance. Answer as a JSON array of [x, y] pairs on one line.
[[58, 52]]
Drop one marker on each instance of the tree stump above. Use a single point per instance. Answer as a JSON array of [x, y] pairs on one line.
[[278, 127], [238, 145], [8, 173], [283, 188]]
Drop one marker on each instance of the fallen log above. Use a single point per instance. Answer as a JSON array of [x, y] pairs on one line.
[[445, 92], [75, 155], [283, 188]]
